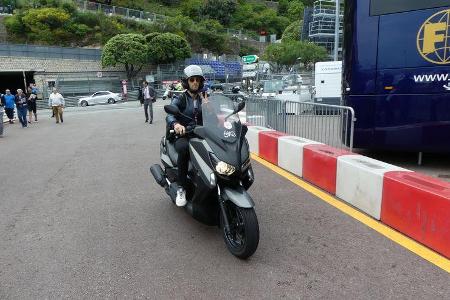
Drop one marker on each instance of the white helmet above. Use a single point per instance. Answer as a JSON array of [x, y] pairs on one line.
[[193, 70]]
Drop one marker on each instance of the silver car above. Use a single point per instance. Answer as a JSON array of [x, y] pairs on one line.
[[100, 97]]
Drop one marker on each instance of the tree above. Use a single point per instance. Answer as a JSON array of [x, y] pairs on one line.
[[273, 56], [149, 37], [247, 49], [168, 48], [311, 53], [292, 32], [287, 54], [130, 50], [46, 24], [220, 10], [295, 11], [192, 9]]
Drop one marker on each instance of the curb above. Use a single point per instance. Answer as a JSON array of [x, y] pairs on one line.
[[414, 204]]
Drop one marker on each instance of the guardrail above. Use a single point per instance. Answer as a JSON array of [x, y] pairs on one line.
[[329, 124]]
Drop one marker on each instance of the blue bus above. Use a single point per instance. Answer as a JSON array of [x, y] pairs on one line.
[[396, 73]]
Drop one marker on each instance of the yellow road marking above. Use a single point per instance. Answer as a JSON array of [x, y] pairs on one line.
[[404, 241]]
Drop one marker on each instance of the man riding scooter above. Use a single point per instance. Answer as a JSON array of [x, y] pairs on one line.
[[190, 104]]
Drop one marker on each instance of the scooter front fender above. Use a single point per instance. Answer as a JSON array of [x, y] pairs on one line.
[[238, 196]]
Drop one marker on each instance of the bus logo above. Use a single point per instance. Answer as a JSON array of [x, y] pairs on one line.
[[433, 39]]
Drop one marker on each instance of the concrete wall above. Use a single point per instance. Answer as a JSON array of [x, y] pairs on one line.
[[51, 65], [50, 69]]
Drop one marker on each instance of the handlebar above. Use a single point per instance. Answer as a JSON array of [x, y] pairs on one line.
[[189, 130]]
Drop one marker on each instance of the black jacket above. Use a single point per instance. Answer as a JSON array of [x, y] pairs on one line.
[[185, 104]]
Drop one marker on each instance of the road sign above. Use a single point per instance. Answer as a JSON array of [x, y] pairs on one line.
[[248, 74], [249, 67], [249, 59]]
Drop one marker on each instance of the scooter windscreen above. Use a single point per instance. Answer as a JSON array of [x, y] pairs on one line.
[[221, 119]]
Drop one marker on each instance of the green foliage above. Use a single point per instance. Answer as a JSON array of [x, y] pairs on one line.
[[43, 24], [14, 25], [45, 19], [292, 32], [149, 5], [130, 50], [257, 17], [311, 53], [220, 10], [178, 25], [149, 37], [295, 11], [192, 9], [211, 25], [200, 22], [247, 50], [168, 48], [287, 54]]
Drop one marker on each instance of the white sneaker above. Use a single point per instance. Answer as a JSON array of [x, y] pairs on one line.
[[181, 197]]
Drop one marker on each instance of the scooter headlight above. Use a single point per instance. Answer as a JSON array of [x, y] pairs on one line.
[[222, 167], [225, 169]]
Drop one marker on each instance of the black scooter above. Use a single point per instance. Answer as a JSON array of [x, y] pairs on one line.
[[219, 175]]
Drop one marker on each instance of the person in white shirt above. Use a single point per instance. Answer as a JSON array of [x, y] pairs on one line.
[[56, 102], [149, 96]]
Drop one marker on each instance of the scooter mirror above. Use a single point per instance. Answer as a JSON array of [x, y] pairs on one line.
[[171, 109]]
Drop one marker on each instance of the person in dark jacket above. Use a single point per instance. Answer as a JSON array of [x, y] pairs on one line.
[[32, 98], [22, 107], [149, 96], [190, 104], [1, 114]]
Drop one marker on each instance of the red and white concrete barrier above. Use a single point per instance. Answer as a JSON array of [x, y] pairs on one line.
[[290, 153], [320, 165], [253, 137], [412, 203], [360, 182], [418, 206], [268, 145]]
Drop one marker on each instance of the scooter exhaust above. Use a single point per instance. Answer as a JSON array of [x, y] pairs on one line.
[[158, 174]]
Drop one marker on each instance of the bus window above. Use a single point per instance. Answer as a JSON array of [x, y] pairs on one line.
[[383, 7]]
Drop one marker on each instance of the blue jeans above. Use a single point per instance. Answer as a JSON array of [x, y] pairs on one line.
[[22, 114]]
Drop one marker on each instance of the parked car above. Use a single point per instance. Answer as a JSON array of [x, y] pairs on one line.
[[216, 86], [100, 97]]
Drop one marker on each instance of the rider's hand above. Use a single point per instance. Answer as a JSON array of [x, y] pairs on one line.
[[204, 96], [179, 129]]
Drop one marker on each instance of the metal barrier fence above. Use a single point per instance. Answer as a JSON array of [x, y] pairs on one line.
[[329, 124]]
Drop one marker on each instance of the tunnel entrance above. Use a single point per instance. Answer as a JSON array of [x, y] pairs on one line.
[[15, 80]]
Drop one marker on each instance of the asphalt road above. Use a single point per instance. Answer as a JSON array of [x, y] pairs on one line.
[[81, 217]]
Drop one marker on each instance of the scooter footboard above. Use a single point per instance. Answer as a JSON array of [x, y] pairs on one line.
[[238, 196]]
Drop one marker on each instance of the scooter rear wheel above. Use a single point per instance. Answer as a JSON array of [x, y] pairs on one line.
[[243, 237]]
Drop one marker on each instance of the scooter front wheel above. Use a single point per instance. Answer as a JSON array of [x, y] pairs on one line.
[[242, 238]]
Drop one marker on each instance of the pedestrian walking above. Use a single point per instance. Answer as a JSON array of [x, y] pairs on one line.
[[149, 95], [1, 115], [56, 102], [141, 95], [22, 107], [9, 104], [32, 98]]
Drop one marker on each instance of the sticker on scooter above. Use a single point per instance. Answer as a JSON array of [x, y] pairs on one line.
[[227, 125], [228, 134]]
